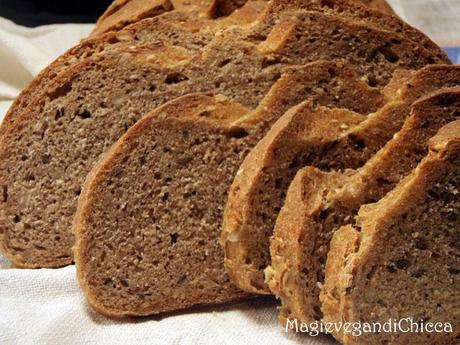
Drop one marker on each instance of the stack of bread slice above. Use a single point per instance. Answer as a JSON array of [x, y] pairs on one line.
[[121, 155]]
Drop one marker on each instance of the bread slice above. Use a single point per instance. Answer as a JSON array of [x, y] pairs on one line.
[[318, 203], [128, 261], [258, 191], [401, 258], [91, 104], [357, 11]]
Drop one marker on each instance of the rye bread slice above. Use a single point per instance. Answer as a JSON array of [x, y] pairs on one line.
[[259, 189], [108, 93], [355, 11], [318, 203], [169, 162], [402, 259]]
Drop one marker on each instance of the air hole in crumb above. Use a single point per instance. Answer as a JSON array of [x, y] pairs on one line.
[[157, 176], [46, 158], [30, 177], [152, 87], [383, 181], [453, 270], [77, 191], [391, 268], [84, 114], [389, 54], [165, 197], [418, 274], [124, 282], [174, 237], [446, 100], [57, 238], [278, 182], [223, 62], [107, 281], [60, 91], [24, 158], [332, 72], [327, 3], [59, 113], [372, 81], [175, 78], [323, 214], [16, 218], [237, 132], [402, 264], [5, 193], [360, 144]]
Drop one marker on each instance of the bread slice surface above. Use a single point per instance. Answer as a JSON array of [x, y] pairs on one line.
[[258, 191], [401, 258], [318, 203]]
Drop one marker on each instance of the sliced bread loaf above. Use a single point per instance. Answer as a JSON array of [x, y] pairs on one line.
[[258, 191], [170, 175], [318, 203], [89, 105], [402, 259]]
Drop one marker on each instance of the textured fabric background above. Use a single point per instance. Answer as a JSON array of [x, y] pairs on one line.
[[46, 306]]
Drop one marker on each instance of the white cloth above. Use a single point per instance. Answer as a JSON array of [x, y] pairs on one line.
[[46, 306]]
